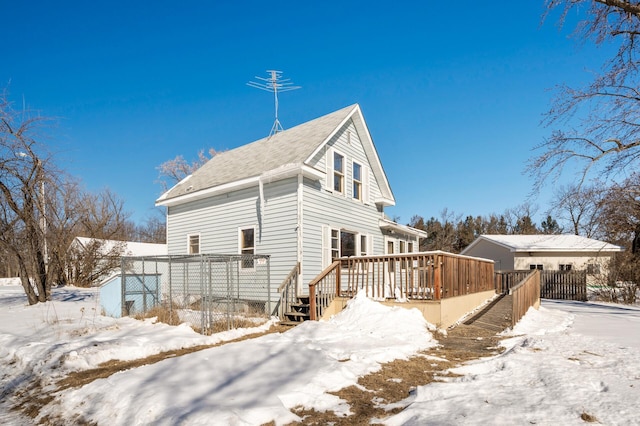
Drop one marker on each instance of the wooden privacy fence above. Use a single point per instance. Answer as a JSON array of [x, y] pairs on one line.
[[566, 285], [525, 294], [416, 276]]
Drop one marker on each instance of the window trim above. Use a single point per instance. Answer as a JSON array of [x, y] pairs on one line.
[[565, 266], [538, 266], [246, 265], [189, 245]]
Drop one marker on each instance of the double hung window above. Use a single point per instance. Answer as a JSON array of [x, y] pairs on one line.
[[193, 242], [247, 247], [338, 173]]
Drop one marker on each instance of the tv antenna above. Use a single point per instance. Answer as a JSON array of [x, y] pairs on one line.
[[274, 84]]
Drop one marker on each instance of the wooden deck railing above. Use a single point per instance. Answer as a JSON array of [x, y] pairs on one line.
[[323, 289], [506, 280], [417, 276], [287, 292], [524, 295]]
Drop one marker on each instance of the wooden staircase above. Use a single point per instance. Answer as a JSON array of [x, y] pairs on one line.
[[297, 312]]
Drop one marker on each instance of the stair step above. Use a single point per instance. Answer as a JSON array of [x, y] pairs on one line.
[[300, 305], [297, 314], [290, 323]]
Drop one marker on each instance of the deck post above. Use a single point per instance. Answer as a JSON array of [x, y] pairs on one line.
[[437, 278], [312, 302], [338, 275]]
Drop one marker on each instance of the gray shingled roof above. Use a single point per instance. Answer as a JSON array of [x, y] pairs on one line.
[[292, 146]]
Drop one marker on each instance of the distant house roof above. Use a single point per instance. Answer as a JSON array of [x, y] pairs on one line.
[[288, 151], [130, 248], [546, 243]]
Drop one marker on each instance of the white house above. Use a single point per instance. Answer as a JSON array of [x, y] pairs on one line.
[[305, 195], [545, 252]]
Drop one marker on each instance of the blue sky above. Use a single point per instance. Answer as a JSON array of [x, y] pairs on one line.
[[453, 93]]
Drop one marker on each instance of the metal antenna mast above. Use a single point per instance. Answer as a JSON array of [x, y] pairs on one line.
[[274, 84]]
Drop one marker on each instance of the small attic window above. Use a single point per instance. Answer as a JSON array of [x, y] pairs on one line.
[[349, 137]]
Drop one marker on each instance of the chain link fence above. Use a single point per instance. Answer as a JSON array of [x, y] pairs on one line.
[[211, 293]]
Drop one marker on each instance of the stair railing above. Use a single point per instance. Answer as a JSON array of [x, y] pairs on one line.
[[287, 292], [323, 289], [525, 294]]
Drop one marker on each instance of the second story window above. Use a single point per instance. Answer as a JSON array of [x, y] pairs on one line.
[[338, 172], [357, 181]]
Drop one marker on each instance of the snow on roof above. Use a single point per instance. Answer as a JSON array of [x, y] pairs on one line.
[[131, 248], [517, 243]]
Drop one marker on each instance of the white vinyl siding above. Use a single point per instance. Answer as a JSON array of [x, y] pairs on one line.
[[217, 220], [352, 151], [324, 211]]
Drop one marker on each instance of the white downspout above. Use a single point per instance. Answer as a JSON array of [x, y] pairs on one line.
[[261, 196], [299, 231]]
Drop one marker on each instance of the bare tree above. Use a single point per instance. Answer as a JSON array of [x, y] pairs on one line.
[[153, 230], [619, 214], [519, 219], [441, 233], [103, 216], [579, 207], [173, 171], [24, 173], [599, 125]]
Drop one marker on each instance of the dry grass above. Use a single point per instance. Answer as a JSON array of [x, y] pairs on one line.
[[162, 313], [588, 418], [369, 400], [168, 316], [34, 397], [106, 369], [396, 380]]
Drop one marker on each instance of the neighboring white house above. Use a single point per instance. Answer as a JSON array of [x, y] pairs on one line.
[[125, 248], [305, 195], [545, 252], [96, 259]]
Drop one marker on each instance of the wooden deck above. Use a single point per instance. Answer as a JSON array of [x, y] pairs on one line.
[[424, 276]]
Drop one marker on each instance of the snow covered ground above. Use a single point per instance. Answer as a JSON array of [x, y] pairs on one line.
[[567, 359]]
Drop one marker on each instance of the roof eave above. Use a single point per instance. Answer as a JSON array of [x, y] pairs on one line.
[[269, 176], [394, 226], [209, 192]]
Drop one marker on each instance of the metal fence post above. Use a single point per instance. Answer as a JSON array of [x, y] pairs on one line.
[[269, 286], [122, 288]]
